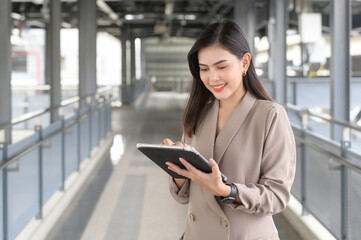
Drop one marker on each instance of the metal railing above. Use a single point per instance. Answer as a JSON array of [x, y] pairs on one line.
[[33, 169], [342, 171]]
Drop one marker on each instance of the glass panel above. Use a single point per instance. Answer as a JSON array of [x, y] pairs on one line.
[[318, 125], [1, 203], [71, 150], [323, 191], [104, 124], [354, 209], [84, 138], [51, 167], [296, 187], [356, 141], [95, 129], [312, 94], [23, 192]]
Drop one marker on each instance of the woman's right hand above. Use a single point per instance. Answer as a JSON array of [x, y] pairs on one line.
[[166, 141]]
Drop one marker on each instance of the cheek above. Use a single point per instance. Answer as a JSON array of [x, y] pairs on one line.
[[234, 74], [203, 77]]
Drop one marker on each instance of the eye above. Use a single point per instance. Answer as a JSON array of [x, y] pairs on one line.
[[223, 67], [203, 69]]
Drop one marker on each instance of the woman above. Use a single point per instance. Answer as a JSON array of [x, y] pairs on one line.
[[231, 120]]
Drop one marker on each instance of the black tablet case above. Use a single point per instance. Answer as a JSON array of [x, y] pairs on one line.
[[161, 155]]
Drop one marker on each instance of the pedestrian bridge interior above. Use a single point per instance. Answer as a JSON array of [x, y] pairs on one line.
[[82, 82]]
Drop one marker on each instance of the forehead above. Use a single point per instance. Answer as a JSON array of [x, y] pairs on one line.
[[214, 53]]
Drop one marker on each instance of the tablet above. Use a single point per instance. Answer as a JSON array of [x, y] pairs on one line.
[[160, 154]]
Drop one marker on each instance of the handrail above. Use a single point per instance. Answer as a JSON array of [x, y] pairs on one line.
[[6, 162], [339, 159], [316, 79], [64, 103], [331, 120]]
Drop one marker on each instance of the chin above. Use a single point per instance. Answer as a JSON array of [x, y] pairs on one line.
[[220, 96]]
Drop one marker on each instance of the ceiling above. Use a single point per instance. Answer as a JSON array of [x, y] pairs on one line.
[[167, 18], [144, 18]]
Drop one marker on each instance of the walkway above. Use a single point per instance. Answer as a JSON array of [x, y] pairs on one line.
[[127, 196]]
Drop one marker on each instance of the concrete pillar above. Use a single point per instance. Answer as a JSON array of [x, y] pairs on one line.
[[281, 14], [5, 68], [87, 49], [271, 33], [340, 63], [133, 86], [52, 63], [142, 60], [125, 66], [244, 16]]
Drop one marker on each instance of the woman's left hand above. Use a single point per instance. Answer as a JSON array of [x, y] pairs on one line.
[[212, 182]]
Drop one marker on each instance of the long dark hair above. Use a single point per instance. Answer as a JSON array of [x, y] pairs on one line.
[[229, 35]]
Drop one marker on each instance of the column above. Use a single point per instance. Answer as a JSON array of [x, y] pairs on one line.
[[281, 14], [340, 17], [87, 49], [125, 96], [271, 33], [244, 16], [133, 85], [142, 60], [5, 67], [52, 63]]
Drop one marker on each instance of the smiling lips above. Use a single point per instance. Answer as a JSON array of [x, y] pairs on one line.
[[219, 87]]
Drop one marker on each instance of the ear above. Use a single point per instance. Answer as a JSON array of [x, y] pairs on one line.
[[246, 60]]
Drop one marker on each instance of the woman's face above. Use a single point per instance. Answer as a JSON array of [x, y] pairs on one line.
[[221, 72]]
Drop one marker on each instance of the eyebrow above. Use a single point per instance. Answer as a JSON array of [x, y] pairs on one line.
[[221, 61]]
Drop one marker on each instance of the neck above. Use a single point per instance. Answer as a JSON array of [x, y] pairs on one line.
[[233, 101]]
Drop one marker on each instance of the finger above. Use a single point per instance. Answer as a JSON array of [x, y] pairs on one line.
[[179, 144], [188, 165], [214, 165], [167, 141], [176, 169]]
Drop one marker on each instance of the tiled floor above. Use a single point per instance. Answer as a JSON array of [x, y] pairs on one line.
[[127, 196]]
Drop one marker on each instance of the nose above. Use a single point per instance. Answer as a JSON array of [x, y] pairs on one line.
[[213, 76]]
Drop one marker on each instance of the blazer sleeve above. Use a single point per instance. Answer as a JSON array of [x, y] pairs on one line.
[[181, 195], [272, 193]]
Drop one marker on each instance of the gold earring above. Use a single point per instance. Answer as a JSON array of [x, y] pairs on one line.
[[244, 74]]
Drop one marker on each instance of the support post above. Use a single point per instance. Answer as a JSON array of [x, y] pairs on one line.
[[52, 62], [125, 66], [133, 85], [5, 98], [281, 8], [244, 16], [87, 50], [340, 64]]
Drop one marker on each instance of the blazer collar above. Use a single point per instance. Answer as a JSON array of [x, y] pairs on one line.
[[211, 147], [233, 124]]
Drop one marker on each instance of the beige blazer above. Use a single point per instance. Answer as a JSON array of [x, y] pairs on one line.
[[256, 151]]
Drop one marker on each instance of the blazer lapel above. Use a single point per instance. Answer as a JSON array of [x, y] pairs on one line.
[[205, 145], [207, 131], [232, 125]]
